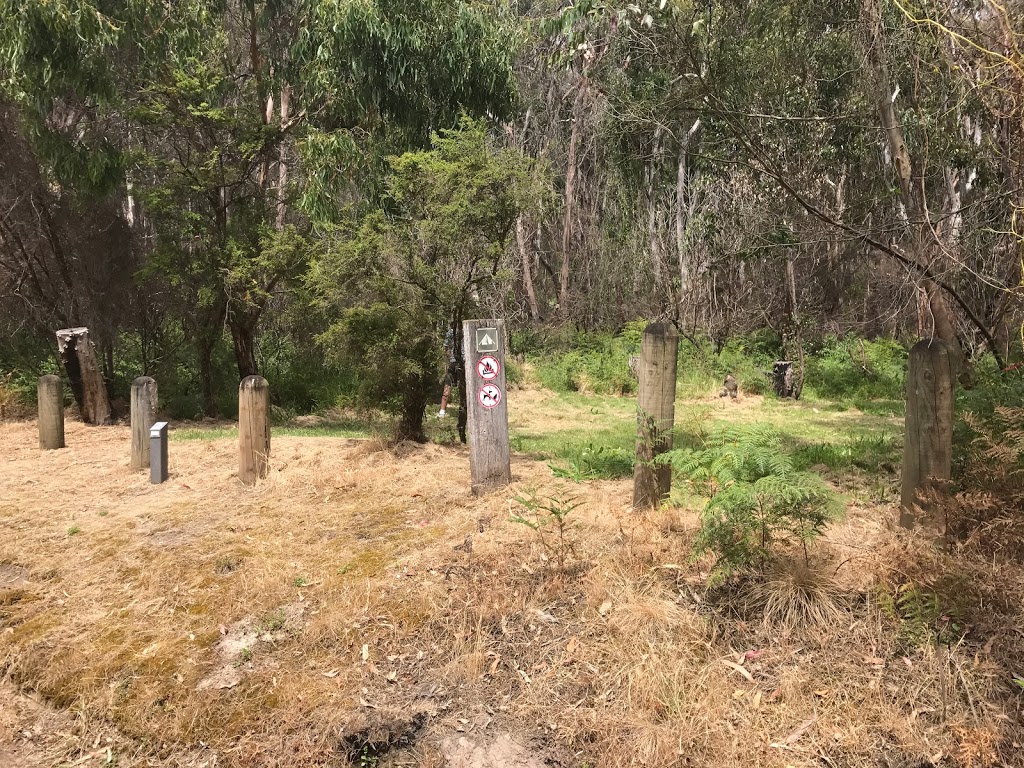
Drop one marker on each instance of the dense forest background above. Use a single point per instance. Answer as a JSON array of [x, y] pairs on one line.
[[316, 190]]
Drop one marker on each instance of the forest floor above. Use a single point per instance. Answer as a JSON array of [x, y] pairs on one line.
[[361, 607]]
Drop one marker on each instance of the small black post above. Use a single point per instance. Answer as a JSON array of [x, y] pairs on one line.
[[158, 453]]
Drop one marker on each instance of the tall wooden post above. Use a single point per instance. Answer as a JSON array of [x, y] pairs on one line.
[[143, 414], [50, 398], [655, 414], [253, 429], [928, 440], [483, 343], [79, 357]]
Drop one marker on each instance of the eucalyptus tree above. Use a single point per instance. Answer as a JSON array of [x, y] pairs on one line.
[[66, 255], [228, 129], [285, 118], [835, 124]]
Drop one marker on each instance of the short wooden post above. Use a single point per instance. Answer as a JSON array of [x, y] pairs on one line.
[[483, 343], [928, 430], [79, 357], [143, 414], [50, 398], [253, 429], [655, 414]]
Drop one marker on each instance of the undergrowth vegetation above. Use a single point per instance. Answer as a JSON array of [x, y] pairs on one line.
[[758, 501]]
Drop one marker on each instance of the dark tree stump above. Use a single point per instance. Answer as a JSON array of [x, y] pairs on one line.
[[784, 378], [78, 354]]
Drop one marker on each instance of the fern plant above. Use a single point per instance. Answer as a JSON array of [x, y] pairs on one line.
[[757, 500]]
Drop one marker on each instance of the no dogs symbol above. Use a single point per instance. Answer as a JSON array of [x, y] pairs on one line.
[[489, 396], [487, 367]]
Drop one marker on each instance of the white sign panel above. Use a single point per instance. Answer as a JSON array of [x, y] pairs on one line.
[[486, 339], [487, 368], [489, 396]]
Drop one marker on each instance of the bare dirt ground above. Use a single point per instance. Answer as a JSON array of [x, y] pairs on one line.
[[360, 607]]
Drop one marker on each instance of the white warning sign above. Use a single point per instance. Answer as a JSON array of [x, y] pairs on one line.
[[489, 396], [488, 368]]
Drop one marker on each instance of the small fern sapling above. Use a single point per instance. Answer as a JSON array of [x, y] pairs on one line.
[[756, 498]]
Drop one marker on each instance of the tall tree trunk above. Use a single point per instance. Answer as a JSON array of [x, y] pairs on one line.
[[204, 349], [794, 319], [681, 255], [414, 404], [524, 256], [243, 337], [654, 243], [923, 243], [570, 193], [282, 162]]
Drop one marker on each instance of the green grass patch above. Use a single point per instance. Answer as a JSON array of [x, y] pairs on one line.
[[872, 453], [349, 429], [581, 455]]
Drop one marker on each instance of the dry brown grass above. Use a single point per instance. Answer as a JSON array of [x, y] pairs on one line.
[[332, 605]]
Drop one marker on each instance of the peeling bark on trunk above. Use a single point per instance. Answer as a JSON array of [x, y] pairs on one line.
[[524, 255], [282, 163], [684, 214], [570, 194], [937, 320]]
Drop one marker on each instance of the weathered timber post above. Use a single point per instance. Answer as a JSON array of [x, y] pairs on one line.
[[50, 398], [483, 343], [253, 429], [928, 440], [143, 414], [655, 414], [158, 471], [79, 357]]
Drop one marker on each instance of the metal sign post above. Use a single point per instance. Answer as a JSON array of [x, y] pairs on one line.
[[158, 453], [489, 460]]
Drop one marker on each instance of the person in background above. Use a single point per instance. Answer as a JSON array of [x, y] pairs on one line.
[[452, 372]]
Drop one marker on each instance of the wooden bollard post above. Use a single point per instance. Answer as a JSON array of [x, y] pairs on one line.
[[143, 413], [253, 429], [655, 414], [50, 398], [928, 435], [483, 343]]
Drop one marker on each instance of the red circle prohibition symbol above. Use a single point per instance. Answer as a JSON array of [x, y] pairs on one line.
[[488, 367], [489, 396]]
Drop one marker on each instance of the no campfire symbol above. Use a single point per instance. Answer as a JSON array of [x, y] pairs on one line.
[[489, 396], [487, 367]]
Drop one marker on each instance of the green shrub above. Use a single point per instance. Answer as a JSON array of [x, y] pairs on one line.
[[597, 363], [757, 499], [856, 369]]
